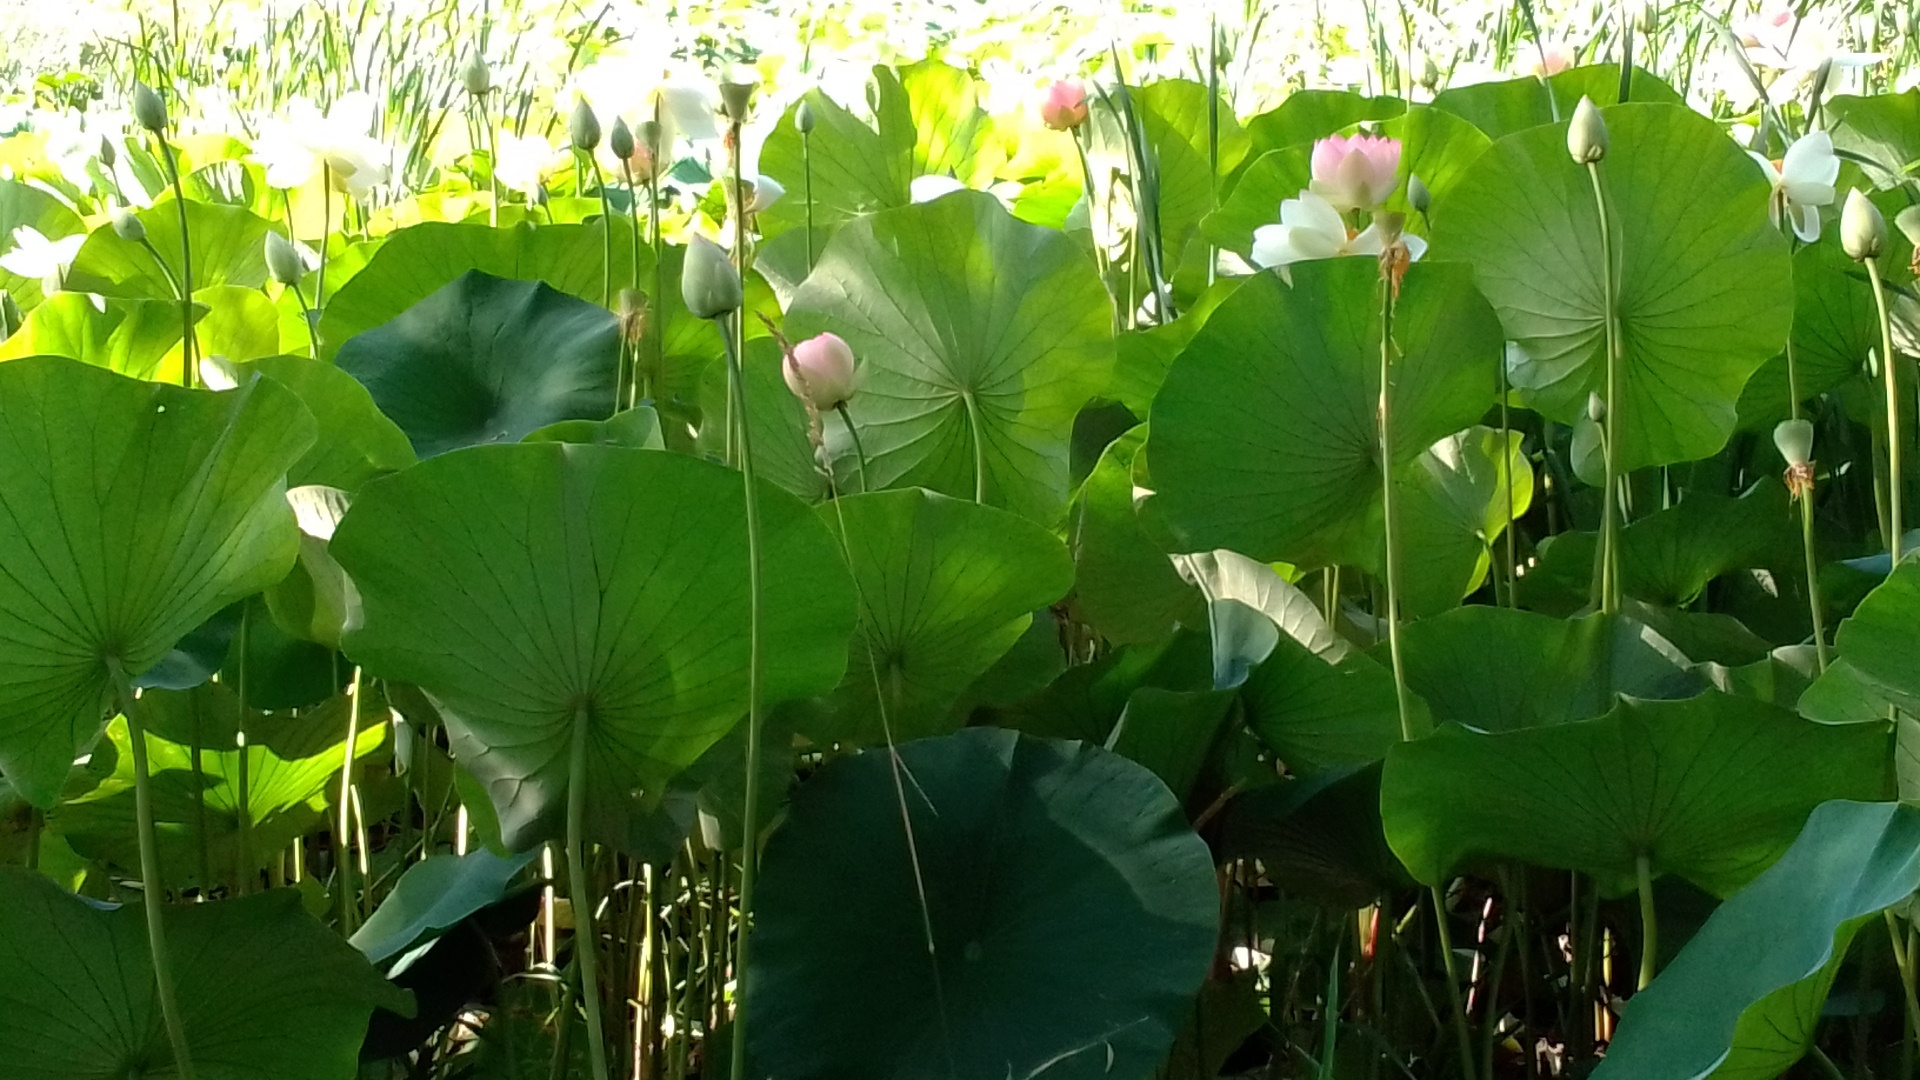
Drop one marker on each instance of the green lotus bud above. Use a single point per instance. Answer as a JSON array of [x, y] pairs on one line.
[[803, 118], [652, 134], [583, 127], [1794, 440], [283, 261], [1587, 135], [1596, 408], [1646, 16], [620, 139], [475, 75], [708, 282], [148, 109], [736, 97], [1430, 75], [127, 227], [107, 155], [1418, 196], [1863, 232]]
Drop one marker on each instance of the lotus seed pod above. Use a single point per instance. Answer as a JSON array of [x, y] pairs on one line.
[[1863, 232], [148, 109], [283, 262], [475, 75], [1596, 408], [708, 282], [583, 127], [620, 139], [1794, 440], [127, 227], [1418, 196], [1587, 135], [736, 96], [803, 118]]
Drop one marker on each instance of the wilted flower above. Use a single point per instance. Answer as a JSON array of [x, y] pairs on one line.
[[1587, 133], [819, 371], [35, 256], [1065, 106], [1802, 183], [1310, 228], [1794, 440], [708, 282], [763, 191], [1356, 173], [1863, 232], [1549, 59]]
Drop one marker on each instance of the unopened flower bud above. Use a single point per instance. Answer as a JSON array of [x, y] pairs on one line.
[[1418, 196], [1587, 135], [1596, 408], [1794, 440], [583, 127], [620, 139], [1863, 231], [283, 261], [1065, 106], [1430, 75], [148, 109], [819, 371], [475, 75], [127, 227], [107, 154], [803, 118], [708, 282]]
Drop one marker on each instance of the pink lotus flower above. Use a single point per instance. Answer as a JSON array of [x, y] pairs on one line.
[[1549, 60], [1065, 107], [819, 371], [1355, 173]]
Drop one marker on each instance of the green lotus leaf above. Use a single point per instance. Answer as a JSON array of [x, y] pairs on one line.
[[856, 169], [228, 248], [357, 442], [266, 990], [1073, 916], [979, 337], [130, 513], [1880, 641], [1883, 129], [487, 360], [132, 337], [1307, 115], [1711, 789], [535, 587], [1125, 587], [1174, 118], [433, 895], [1742, 1000], [1834, 327], [1703, 277], [1502, 108]]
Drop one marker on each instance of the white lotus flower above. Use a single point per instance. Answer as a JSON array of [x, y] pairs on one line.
[[524, 160], [1310, 228], [1802, 183], [35, 256], [1776, 37], [766, 192], [931, 186], [296, 149]]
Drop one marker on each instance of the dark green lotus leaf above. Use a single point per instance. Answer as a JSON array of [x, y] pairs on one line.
[[1316, 714], [229, 248], [1711, 789], [1074, 914], [1502, 108], [23, 204], [1141, 356], [1703, 276], [265, 990], [1670, 556], [487, 360], [638, 427], [946, 588], [433, 895], [1502, 669], [533, 587], [1125, 587], [1455, 502], [1881, 641], [1265, 437], [130, 513], [357, 442], [1743, 998], [1172, 733], [979, 337], [132, 337], [1834, 326], [1307, 115], [1318, 836]]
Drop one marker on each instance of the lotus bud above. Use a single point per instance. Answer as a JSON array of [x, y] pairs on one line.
[[1430, 75], [803, 118], [652, 136], [1355, 173], [736, 95], [708, 282], [107, 154], [1065, 106], [1418, 196], [1596, 408], [127, 227], [620, 139], [1587, 135], [583, 127], [1863, 232], [632, 312], [475, 75], [283, 261], [819, 371], [1794, 440], [148, 109]]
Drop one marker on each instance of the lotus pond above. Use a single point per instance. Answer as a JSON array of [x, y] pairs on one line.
[[967, 543]]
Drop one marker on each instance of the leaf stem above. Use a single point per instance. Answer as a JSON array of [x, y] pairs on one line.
[[1452, 968], [188, 347], [152, 887], [586, 941], [1888, 364], [859, 452], [1649, 920], [1610, 443], [344, 826], [979, 446]]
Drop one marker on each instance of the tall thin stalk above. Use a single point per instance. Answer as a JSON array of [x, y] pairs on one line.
[[1610, 441], [1807, 546], [1388, 509], [1649, 921], [586, 940], [1888, 364], [188, 346], [343, 827], [152, 886]]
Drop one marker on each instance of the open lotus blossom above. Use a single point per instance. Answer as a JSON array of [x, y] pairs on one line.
[[1065, 106], [524, 161], [295, 149], [1310, 228], [1355, 173], [1777, 37], [1802, 183], [35, 256], [1549, 59]]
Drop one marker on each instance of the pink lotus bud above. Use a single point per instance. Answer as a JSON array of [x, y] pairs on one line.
[[1065, 107], [1355, 173], [819, 371]]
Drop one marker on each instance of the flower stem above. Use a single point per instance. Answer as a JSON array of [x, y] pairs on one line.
[[1649, 923], [344, 826], [586, 940], [1806, 528], [750, 853], [1506, 478], [1388, 510], [306, 316], [187, 343], [859, 452], [152, 888], [1888, 364], [1610, 442], [806, 171]]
